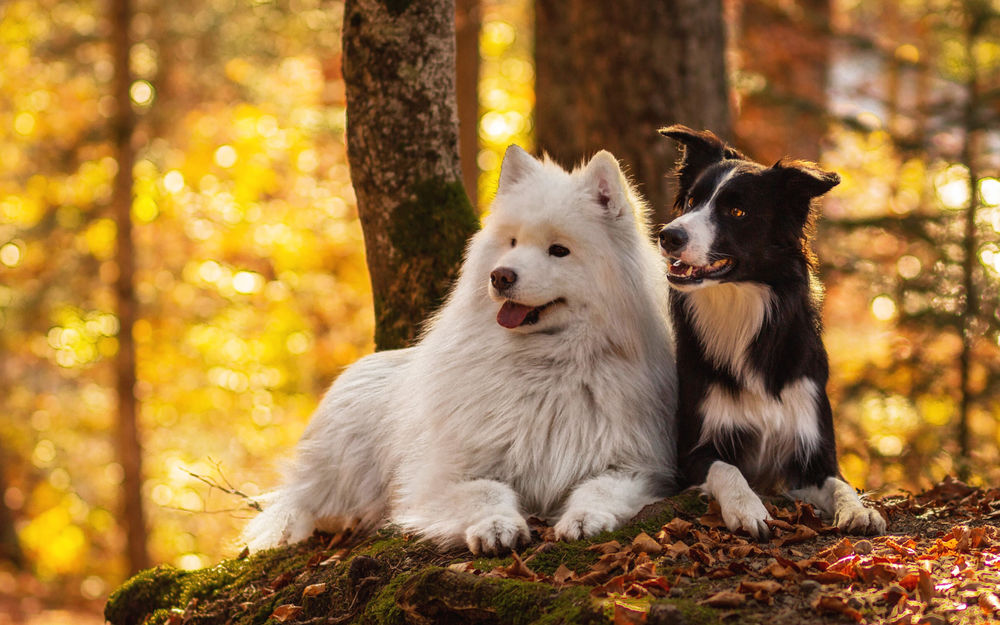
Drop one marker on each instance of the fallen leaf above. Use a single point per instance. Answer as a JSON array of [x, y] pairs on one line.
[[516, 570], [948, 489], [287, 612], [564, 574], [779, 524], [767, 585], [612, 546], [713, 516], [313, 589], [462, 567], [762, 591], [644, 543], [925, 586], [677, 549], [832, 603], [281, 581], [989, 603], [725, 599], [628, 615], [779, 571], [838, 551], [827, 577], [677, 527], [799, 534]]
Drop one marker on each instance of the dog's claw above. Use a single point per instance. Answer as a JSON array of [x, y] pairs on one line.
[[763, 533], [858, 519], [583, 524], [496, 534]]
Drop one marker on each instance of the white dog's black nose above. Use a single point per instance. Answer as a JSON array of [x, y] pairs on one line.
[[673, 239], [502, 278]]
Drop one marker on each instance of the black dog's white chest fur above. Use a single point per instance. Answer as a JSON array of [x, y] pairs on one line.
[[727, 320], [751, 363]]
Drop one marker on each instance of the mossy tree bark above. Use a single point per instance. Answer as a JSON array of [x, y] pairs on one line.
[[402, 145], [608, 74]]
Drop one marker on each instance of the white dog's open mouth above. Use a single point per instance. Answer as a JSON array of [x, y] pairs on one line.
[[515, 315], [681, 272]]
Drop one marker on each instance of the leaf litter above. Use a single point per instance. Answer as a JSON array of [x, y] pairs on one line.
[[939, 564]]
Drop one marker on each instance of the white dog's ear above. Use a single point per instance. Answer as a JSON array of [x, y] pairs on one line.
[[604, 177], [516, 165]]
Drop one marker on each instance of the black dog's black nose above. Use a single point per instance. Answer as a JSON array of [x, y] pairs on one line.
[[502, 278], [673, 239]]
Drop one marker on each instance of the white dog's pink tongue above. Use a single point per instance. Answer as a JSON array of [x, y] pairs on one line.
[[512, 314]]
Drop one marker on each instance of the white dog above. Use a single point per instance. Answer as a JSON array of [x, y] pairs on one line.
[[544, 386]]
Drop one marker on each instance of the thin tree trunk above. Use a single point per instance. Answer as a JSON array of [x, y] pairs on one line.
[[467, 25], [608, 74], [402, 145], [970, 149], [129, 450], [10, 547]]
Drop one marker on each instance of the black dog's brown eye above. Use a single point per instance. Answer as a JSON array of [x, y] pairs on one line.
[[513, 242], [558, 251], [737, 212], [690, 202]]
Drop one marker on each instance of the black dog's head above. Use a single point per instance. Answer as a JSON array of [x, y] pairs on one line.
[[737, 220]]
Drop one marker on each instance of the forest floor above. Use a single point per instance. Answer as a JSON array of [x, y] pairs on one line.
[[675, 563]]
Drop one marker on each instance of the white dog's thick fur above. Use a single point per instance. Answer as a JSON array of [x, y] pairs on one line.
[[568, 415]]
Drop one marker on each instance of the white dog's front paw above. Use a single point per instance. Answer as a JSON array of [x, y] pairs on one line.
[[855, 518], [748, 513], [496, 533], [576, 524]]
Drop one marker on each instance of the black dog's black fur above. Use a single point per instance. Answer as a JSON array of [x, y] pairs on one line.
[[768, 245]]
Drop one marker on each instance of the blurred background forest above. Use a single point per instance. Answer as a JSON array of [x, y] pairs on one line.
[[247, 290]]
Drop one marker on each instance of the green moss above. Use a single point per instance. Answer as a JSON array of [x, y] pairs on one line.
[[154, 589], [383, 609], [428, 233], [690, 503], [488, 564], [439, 214], [572, 605], [573, 554], [390, 580]]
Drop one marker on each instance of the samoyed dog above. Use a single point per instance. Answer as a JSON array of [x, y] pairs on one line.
[[544, 386]]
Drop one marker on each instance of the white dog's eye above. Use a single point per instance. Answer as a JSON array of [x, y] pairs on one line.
[[558, 251], [513, 242]]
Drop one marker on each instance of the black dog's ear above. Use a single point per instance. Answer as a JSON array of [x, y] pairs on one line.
[[799, 182], [702, 148], [803, 179]]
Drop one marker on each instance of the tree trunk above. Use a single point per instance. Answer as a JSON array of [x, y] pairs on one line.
[[10, 548], [971, 148], [129, 450], [608, 74], [467, 24], [402, 145], [783, 115]]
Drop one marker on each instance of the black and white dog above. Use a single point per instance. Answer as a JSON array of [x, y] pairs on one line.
[[753, 410]]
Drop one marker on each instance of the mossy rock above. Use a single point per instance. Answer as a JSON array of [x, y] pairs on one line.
[[388, 579]]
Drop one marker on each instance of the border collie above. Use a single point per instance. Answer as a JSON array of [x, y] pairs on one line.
[[753, 411]]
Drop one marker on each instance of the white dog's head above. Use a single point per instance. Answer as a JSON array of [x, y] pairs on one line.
[[558, 246]]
